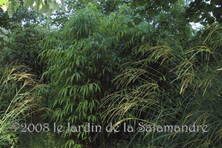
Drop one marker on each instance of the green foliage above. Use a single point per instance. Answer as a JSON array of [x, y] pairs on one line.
[[45, 6], [205, 12], [82, 64], [22, 47], [110, 61], [77, 65], [17, 100], [172, 85], [45, 140]]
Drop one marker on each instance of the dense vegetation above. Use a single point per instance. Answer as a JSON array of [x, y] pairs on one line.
[[101, 62]]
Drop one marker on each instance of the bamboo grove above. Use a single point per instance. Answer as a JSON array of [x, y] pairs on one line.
[[120, 62]]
